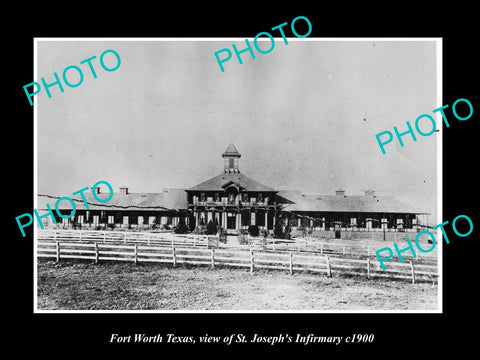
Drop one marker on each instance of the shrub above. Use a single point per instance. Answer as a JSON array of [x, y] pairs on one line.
[[253, 230], [181, 228], [211, 228], [200, 230], [111, 226], [242, 239]]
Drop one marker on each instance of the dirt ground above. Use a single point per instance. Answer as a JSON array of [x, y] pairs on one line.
[[109, 286]]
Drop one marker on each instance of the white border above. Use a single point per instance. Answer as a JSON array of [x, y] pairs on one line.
[[439, 79]]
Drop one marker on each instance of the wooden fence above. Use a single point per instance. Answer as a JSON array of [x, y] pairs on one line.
[[344, 248], [149, 238], [252, 259]]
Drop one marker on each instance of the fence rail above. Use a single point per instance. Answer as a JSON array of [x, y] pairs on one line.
[[252, 259], [150, 238], [314, 245], [307, 245]]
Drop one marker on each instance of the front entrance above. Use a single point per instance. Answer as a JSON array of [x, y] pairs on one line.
[[231, 221]]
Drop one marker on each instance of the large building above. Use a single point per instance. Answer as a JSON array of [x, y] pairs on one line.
[[236, 201]]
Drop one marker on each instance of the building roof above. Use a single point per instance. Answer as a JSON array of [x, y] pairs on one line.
[[165, 200], [294, 200], [221, 181]]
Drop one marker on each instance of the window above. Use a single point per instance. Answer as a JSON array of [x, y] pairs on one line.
[[230, 163], [202, 196], [245, 197], [217, 197], [260, 197]]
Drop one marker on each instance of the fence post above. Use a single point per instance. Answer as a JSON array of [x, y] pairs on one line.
[[368, 250], [343, 250], [135, 249], [104, 236], [251, 261], [57, 247], [291, 263], [148, 238], [413, 274], [273, 244], [80, 235], [368, 268], [172, 243], [125, 237], [55, 235], [298, 245], [321, 248], [329, 269], [96, 252], [213, 258]]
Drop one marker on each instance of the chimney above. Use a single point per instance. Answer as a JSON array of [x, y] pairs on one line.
[[124, 190], [369, 193], [340, 192]]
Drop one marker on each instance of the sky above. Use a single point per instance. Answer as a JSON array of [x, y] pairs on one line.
[[303, 116]]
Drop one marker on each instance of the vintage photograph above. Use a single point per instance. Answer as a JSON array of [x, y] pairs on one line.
[[164, 184]]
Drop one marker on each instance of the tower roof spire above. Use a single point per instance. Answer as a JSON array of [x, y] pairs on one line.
[[231, 151]]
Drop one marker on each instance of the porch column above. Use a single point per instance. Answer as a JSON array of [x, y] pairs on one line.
[[266, 220], [237, 221], [384, 223], [224, 219]]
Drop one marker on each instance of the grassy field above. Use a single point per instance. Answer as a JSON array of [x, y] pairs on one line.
[[122, 286]]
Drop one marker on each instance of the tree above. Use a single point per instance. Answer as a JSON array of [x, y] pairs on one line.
[[278, 230], [286, 234]]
